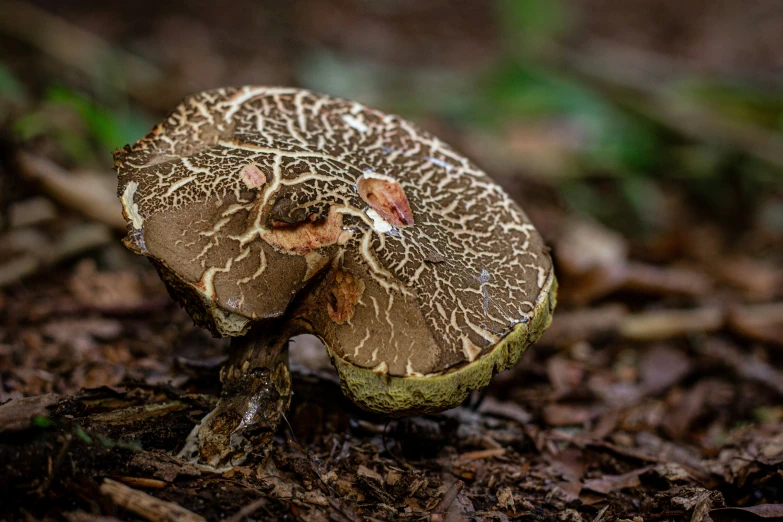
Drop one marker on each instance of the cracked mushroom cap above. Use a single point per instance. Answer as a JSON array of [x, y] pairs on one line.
[[418, 272]]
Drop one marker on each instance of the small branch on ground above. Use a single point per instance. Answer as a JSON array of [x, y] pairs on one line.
[[147, 506]]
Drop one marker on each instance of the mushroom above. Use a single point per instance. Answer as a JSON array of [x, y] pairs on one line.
[[273, 212]]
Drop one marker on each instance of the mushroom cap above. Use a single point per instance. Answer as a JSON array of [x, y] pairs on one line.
[[418, 272]]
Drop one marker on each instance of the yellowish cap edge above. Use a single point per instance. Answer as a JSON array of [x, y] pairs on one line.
[[400, 396]]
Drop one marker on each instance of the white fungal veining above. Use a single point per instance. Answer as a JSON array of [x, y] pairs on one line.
[[253, 193], [378, 223], [131, 208]]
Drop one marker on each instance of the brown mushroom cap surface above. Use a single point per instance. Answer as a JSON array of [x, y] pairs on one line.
[[404, 257]]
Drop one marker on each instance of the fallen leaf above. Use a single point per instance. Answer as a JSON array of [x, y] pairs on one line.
[[662, 366]]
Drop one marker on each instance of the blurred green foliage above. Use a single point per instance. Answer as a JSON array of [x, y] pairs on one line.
[[625, 158], [530, 26], [740, 101], [40, 421], [111, 128], [616, 142], [84, 130], [11, 89]]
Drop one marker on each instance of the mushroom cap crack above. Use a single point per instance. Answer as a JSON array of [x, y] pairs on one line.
[[403, 256]]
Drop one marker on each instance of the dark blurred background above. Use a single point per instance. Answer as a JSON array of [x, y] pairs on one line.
[[644, 139], [609, 108]]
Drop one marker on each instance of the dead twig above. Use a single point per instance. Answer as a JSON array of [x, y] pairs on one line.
[[438, 514], [36, 252], [54, 468], [665, 324], [142, 482], [571, 326], [483, 454], [145, 505], [600, 516], [18, 268], [18, 414], [247, 510], [653, 280], [762, 322], [85, 193]]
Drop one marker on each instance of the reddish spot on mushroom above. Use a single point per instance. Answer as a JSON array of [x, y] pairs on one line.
[[205, 286], [386, 197], [252, 176], [305, 236], [343, 291]]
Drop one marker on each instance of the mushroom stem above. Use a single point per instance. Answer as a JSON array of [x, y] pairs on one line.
[[256, 394]]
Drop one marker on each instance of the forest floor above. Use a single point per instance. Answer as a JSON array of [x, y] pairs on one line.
[[667, 414]]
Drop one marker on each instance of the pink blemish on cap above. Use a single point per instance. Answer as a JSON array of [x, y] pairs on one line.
[[252, 176], [386, 196]]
